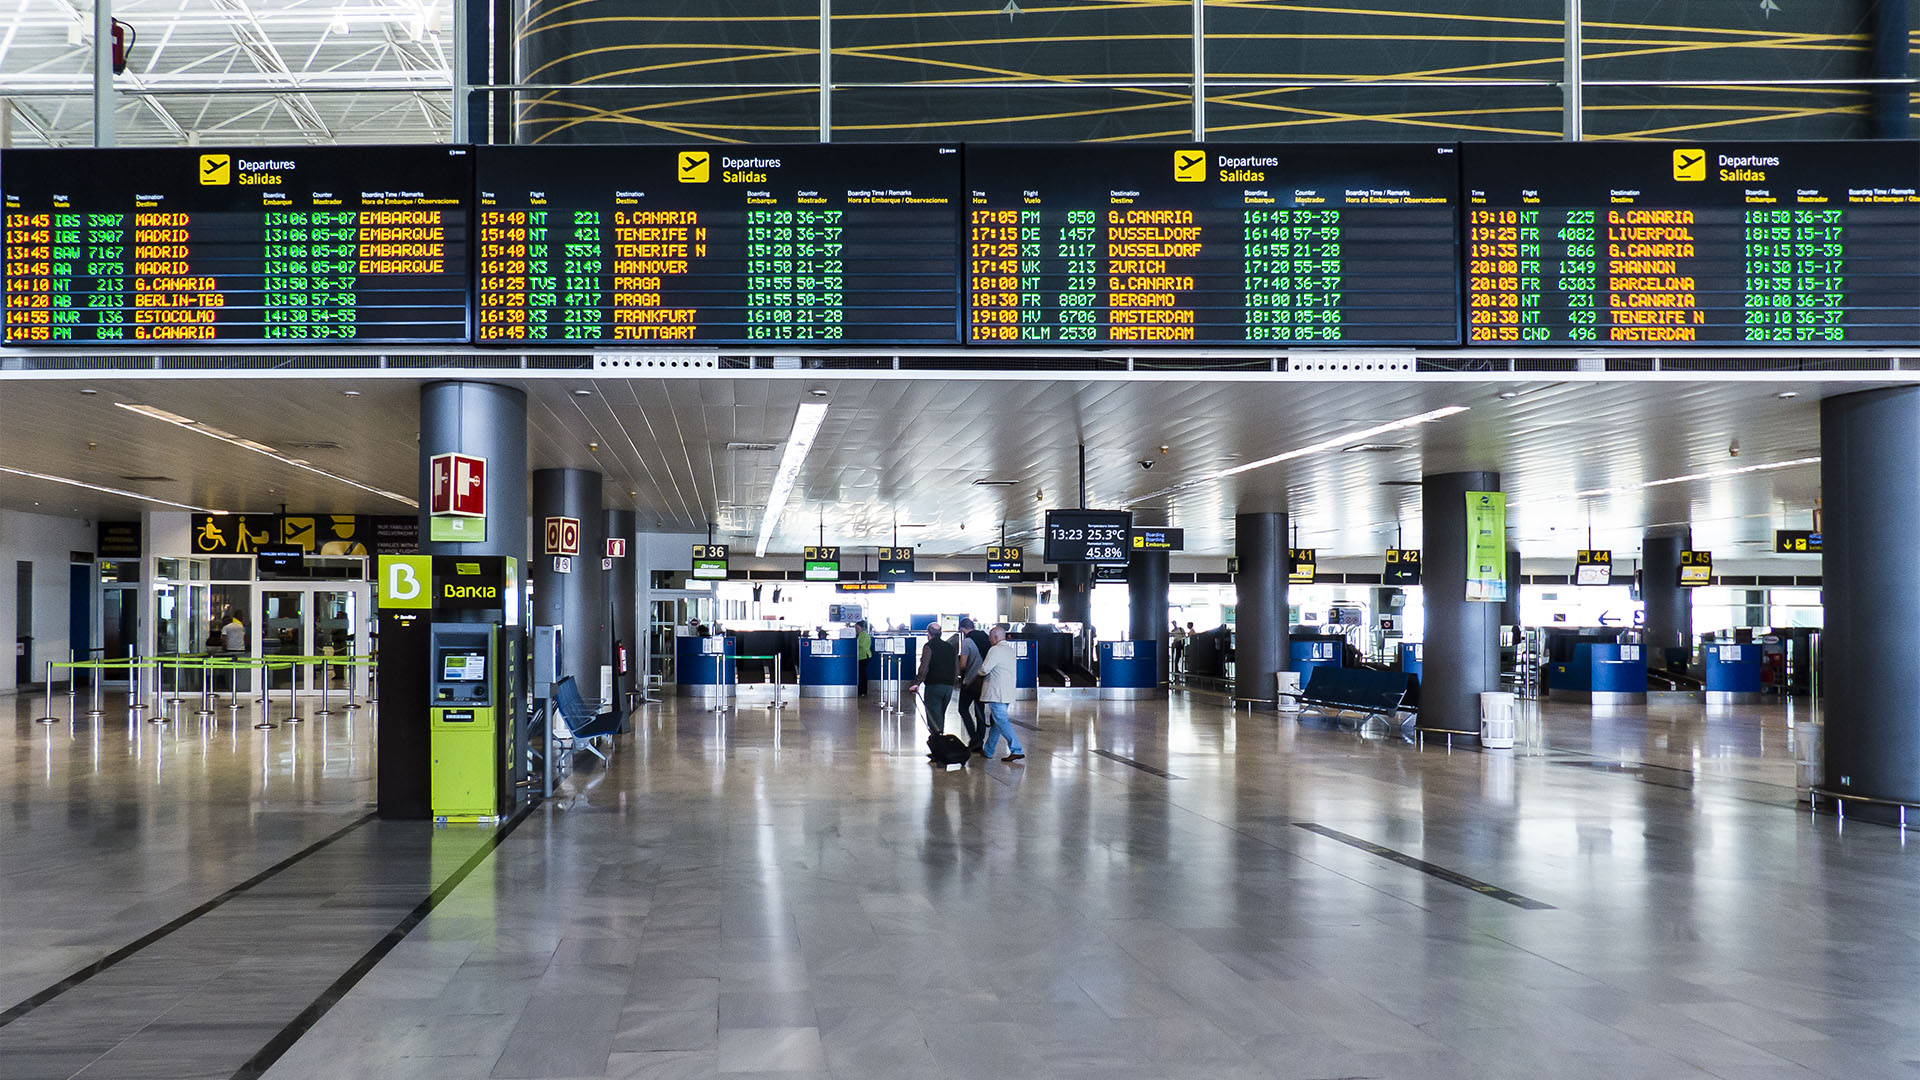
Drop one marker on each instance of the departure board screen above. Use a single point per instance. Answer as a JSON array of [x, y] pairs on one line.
[[279, 245], [800, 244], [1656, 243], [1215, 244]]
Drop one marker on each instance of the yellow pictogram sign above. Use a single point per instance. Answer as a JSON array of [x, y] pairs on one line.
[[216, 170], [1190, 166], [693, 166], [1690, 164]]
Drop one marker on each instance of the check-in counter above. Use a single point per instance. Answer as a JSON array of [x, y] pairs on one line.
[[1732, 674], [704, 667], [829, 667], [1128, 669], [1303, 655], [1026, 684], [1601, 674], [1413, 656]]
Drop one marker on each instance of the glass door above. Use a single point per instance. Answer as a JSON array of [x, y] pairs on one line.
[[119, 629], [281, 630], [337, 615]]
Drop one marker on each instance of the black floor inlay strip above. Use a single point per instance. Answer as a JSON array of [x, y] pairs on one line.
[[277, 1046], [1141, 765], [125, 951], [1425, 867]]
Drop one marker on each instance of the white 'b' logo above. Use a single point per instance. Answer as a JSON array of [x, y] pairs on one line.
[[402, 582]]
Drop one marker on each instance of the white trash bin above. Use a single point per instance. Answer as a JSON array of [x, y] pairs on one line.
[[1496, 720], [1286, 689]]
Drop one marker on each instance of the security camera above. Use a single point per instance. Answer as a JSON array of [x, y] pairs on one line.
[[1733, 448], [1146, 463]]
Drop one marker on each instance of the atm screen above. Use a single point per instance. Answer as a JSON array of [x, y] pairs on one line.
[[463, 667]]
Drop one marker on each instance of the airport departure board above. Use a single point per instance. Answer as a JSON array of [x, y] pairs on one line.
[[662, 245], [1215, 244], [1658, 243], [274, 245]]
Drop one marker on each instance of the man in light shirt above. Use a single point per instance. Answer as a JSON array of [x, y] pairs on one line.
[[998, 676]]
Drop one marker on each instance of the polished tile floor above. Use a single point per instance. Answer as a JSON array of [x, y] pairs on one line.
[[1630, 894]]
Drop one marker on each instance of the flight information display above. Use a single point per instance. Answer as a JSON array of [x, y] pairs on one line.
[[1656, 243], [1215, 244], [276, 245], [800, 244]]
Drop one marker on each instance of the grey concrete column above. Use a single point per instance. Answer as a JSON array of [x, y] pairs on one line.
[[629, 625], [1260, 604], [575, 601], [1147, 602], [1075, 584], [1462, 640], [1669, 608], [485, 421], [1870, 566]]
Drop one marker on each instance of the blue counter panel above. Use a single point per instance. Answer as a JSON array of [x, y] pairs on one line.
[[1133, 668], [1413, 657], [1027, 671], [1603, 672], [1732, 669], [1304, 656], [829, 662], [693, 665]]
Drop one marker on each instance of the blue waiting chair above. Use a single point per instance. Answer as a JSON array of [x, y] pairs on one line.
[[585, 724]]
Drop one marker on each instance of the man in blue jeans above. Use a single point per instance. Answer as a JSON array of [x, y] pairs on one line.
[[937, 672], [998, 676]]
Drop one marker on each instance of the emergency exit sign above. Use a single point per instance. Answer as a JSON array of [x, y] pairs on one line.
[[459, 485]]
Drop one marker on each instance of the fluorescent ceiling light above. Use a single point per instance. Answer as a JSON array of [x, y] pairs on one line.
[[109, 490], [1337, 442], [1714, 474], [257, 447], [806, 425]]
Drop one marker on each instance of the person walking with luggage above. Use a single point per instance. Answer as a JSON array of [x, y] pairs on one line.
[[998, 677], [973, 646], [937, 671], [1177, 639]]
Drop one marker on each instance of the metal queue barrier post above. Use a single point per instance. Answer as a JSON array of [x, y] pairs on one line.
[[293, 699], [205, 711], [73, 685], [234, 667], [326, 676], [352, 663], [99, 674], [266, 721], [135, 703], [49, 718], [159, 707]]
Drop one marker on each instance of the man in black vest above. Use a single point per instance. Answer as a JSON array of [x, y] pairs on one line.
[[973, 646], [938, 670]]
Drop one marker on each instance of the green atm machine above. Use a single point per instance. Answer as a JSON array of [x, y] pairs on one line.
[[466, 711]]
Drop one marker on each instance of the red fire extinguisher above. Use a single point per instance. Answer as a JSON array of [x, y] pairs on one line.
[[123, 39], [620, 657]]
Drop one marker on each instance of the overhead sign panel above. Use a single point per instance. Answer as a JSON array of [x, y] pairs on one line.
[[821, 563], [814, 244], [1402, 567], [1214, 244], [1718, 243], [1593, 568], [280, 245], [1696, 569], [1157, 539], [1110, 572], [1302, 565], [1796, 542], [1007, 561], [1087, 535], [896, 564], [709, 562]]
